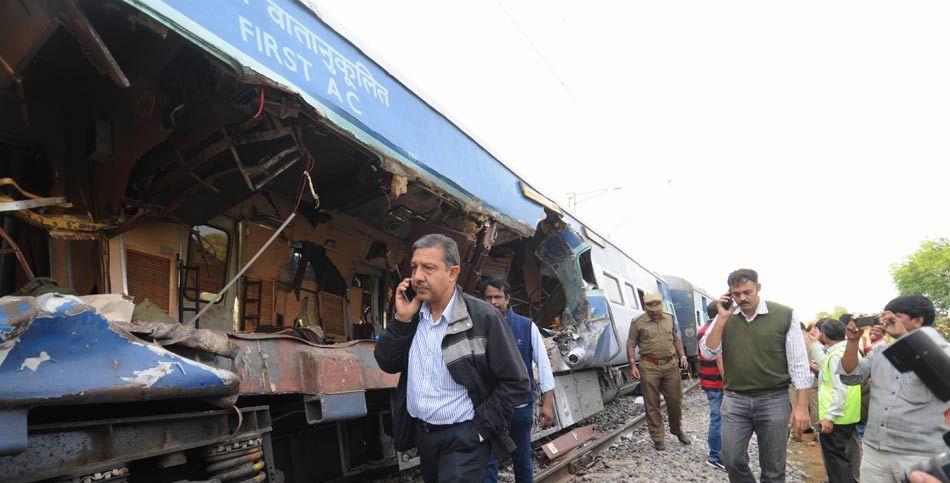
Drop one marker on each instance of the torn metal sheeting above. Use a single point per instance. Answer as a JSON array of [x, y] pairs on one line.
[[76, 23]]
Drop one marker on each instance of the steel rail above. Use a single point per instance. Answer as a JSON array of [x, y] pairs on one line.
[[568, 465]]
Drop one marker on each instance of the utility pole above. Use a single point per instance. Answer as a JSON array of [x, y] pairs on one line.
[[572, 200]]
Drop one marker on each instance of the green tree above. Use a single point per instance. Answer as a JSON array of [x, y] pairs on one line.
[[926, 272], [835, 314], [943, 325]]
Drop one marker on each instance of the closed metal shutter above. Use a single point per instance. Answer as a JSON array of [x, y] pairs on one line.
[[332, 316], [258, 303], [148, 277]]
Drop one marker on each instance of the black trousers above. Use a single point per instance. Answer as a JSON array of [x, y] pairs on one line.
[[452, 453], [837, 451]]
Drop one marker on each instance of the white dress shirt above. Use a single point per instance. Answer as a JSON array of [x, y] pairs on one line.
[[431, 393], [539, 355], [795, 350]]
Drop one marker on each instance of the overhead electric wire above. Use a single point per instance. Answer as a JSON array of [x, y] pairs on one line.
[[536, 50]]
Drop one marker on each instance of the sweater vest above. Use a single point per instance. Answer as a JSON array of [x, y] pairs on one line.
[[753, 353], [521, 329]]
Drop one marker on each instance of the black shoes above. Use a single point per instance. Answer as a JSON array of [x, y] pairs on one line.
[[661, 445]]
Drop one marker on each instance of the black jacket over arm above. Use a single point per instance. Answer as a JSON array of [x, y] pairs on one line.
[[481, 355]]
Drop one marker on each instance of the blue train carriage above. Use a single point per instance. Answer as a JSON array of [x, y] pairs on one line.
[[690, 303], [222, 195]]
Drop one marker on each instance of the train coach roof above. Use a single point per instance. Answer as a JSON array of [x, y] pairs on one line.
[[296, 45], [680, 283]]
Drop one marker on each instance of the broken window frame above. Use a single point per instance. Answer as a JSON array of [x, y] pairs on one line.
[[203, 296]]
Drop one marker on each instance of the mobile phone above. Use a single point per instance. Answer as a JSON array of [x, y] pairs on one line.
[[727, 304], [867, 321], [409, 293], [816, 428]]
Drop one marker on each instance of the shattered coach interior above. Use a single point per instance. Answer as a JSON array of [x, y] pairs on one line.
[[134, 163]]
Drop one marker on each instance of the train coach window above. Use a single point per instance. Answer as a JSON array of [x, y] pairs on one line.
[[208, 250], [587, 268], [612, 286], [632, 296]]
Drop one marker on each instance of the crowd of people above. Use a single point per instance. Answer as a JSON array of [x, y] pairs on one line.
[[466, 388], [873, 422]]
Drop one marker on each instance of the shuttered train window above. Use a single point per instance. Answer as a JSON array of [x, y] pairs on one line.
[[332, 316], [258, 303], [148, 277]]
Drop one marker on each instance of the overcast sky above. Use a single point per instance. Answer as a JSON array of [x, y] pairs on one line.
[[807, 140]]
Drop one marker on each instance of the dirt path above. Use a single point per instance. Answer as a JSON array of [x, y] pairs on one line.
[[806, 456]]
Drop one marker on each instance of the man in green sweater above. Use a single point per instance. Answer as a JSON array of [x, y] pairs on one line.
[[763, 351]]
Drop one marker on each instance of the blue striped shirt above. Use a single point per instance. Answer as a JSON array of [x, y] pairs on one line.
[[433, 396]]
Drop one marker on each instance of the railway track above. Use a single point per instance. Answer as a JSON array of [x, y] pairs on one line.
[[586, 455]]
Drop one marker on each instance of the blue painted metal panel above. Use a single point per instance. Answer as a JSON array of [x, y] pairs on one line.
[[56, 349], [683, 304], [284, 41]]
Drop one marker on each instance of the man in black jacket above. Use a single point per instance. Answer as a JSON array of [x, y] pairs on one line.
[[461, 374]]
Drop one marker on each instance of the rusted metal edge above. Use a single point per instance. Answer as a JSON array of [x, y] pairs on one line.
[[71, 17], [564, 466]]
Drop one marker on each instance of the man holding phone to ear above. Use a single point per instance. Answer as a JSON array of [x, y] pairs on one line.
[[460, 372], [763, 351]]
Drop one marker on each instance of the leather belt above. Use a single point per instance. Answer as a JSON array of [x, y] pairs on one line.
[[435, 427], [656, 361]]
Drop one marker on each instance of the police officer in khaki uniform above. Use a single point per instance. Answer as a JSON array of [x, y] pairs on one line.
[[661, 357]]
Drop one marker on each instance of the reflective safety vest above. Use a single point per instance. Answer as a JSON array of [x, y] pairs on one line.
[[852, 402]]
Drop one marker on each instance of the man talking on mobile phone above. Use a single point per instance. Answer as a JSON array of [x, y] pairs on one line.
[[461, 374], [763, 352]]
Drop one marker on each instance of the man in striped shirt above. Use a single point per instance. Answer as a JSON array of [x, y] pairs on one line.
[[461, 374], [710, 380]]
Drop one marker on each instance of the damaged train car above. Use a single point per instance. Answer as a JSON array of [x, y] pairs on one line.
[[206, 206]]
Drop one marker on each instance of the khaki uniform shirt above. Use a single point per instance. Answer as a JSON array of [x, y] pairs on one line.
[[655, 337]]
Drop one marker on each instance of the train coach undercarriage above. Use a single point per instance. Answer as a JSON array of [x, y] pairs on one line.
[[257, 245]]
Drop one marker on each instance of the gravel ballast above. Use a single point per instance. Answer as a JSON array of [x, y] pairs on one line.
[[632, 458]]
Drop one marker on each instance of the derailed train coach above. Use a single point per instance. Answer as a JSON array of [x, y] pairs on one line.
[[690, 304], [206, 206]]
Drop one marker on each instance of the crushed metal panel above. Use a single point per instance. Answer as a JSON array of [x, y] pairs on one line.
[[588, 337], [352, 91], [280, 364], [56, 350], [72, 354]]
